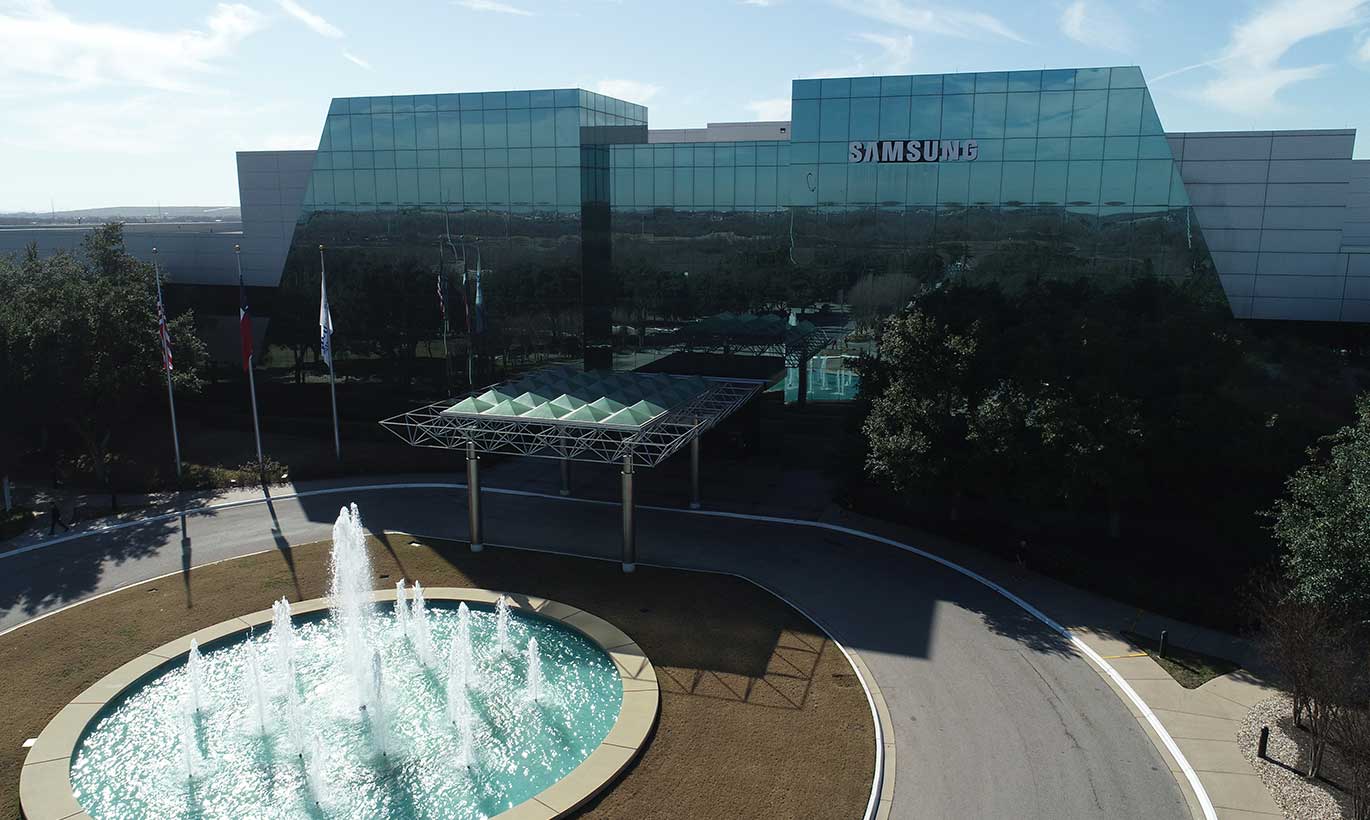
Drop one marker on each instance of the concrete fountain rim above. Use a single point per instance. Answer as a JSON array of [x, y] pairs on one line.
[[45, 791]]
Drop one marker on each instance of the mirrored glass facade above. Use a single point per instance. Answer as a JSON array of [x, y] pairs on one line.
[[513, 183], [593, 240]]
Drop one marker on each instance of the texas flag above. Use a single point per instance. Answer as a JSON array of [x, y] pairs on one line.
[[244, 324]]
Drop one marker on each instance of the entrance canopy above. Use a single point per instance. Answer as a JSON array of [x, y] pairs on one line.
[[752, 334], [567, 414]]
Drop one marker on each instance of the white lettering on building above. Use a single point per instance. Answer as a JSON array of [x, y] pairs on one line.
[[913, 151]]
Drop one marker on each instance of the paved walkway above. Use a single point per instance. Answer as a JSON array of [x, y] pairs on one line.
[[993, 714]]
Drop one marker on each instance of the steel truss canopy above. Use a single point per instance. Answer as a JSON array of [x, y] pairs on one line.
[[562, 413], [751, 334]]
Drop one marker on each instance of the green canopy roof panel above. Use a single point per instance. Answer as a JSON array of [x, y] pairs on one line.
[[593, 397]]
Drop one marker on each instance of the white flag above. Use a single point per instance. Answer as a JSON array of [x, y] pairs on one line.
[[325, 323]]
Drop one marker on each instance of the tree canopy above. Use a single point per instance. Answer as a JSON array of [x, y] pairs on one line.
[[79, 338], [1323, 521]]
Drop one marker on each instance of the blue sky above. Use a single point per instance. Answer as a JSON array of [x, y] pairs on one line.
[[144, 102]]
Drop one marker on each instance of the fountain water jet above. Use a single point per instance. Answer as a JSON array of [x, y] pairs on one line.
[[283, 643], [376, 712], [458, 671], [423, 631], [502, 624], [296, 704], [462, 646], [351, 595], [256, 694], [314, 769], [467, 726], [191, 759], [294, 720], [534, 690], [196, 674], [401, 608]]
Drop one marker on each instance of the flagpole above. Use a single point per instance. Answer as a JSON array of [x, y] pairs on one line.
[[170, 397], [442, 293], [471, 321], [251, 380], [332, 386]]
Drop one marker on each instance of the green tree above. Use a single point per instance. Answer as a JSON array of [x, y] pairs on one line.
[[922, 404], [81, 347], [1322, 523]]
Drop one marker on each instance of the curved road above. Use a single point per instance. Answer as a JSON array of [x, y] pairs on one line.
[[995, 715]]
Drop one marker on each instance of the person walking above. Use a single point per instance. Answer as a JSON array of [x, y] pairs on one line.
[[55, 520]]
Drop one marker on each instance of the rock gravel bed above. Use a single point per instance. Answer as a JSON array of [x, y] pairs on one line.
[[1298, 798]]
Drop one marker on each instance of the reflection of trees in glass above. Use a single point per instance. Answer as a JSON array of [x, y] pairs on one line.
[[1065, 395], [382, 283], [295, 314]]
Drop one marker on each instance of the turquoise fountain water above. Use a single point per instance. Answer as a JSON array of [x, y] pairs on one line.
[[355, 713]]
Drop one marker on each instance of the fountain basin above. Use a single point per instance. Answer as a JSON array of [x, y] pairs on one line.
[[46, 785]]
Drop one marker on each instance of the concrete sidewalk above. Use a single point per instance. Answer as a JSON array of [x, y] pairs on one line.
[[1203, 722]]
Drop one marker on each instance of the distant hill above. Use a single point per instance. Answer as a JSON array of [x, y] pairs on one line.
[[130, 213]]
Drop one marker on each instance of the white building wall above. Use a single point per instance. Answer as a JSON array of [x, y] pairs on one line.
[[724, 132], [193, 253], [1274, 207], [271, 188]]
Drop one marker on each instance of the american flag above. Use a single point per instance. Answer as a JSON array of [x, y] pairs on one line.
[[162, 332]]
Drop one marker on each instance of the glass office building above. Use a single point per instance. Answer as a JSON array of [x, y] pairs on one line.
[[593, 238]]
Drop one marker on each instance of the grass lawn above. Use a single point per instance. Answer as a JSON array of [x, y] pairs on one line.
[[1190, 669], [761, 715]]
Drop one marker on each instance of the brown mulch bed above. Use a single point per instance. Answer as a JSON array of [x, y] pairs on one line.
[[761, 715]]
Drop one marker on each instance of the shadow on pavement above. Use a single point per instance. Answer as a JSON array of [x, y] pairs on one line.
[[68, 571]]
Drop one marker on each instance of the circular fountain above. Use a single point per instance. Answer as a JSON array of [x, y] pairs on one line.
[[408, 703]]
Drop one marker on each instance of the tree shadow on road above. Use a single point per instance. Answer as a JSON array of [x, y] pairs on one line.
[[60, 570]]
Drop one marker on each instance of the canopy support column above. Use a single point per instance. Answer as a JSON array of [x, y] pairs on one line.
[[473, 497], [629, 517], [694, 472], [802, 396], [566, 476]]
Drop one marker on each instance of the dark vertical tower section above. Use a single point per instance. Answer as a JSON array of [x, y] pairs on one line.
[[597, 287]]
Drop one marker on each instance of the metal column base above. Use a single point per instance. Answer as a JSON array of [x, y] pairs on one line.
[[694, 473], [473, 498], [629, 517]]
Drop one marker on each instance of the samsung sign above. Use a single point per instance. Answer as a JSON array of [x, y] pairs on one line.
[[914, 151]]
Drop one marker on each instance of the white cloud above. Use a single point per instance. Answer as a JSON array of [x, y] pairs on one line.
[[630, 90], [495, 6], [1095, 25], [310, 19], [762, 3], [1364, 52], [352, 58], [933, 20], [38, 41], [133, 126], [896, 52], [1250, 74], [895, 57], [777, 108]]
